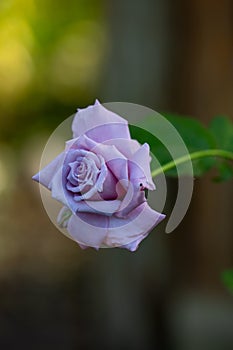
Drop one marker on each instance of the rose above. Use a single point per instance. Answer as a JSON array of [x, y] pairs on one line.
[[101, 178]]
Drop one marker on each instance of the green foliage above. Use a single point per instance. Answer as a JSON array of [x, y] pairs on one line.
[[197, 138], [217, 136], [227, 278], [222, 131]]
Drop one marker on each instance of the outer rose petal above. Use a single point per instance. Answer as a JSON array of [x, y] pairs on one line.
[[87, 234], [140, 163], [57, 190], [99, 230], [133, 198], [99, 124], [126, 147], [134, 245], [101, 207], [135, 227], [45, 176]]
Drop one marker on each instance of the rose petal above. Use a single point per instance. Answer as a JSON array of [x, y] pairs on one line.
[[99, 230], [45, 176], [82, 246], [90, 234], [115, 160], [57, 189], [134, 245], [133, 198], [137, 225], [139, 163], [99, 124], [110, 188], [51, 176], [125, 146], [101, 207]]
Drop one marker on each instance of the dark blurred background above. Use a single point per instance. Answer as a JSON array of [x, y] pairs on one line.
[[55, 56]]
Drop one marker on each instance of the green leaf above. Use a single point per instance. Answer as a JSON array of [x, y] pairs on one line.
[[156, 147], [222, 131], [194, 135], [197, 138], [227, 278], [225, 171]]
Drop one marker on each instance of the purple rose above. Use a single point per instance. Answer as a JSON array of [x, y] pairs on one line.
[[101, 178]]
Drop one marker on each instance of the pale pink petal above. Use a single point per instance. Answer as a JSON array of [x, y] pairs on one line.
[[99, 124]]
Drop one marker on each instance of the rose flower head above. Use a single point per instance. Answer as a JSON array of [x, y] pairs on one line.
[[101, 178]]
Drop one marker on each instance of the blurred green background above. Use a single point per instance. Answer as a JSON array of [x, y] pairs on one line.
[[55, 56]]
